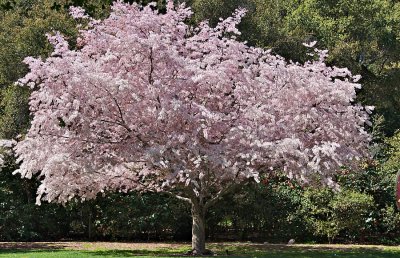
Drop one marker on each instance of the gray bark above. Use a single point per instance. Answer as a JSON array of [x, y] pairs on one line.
[[198, 230]]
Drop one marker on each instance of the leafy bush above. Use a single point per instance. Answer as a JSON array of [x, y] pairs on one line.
[[330, 214]]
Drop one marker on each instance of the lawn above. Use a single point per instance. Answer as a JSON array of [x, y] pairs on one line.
[[110, 250]]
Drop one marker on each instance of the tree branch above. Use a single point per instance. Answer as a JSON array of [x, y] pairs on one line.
[[179, 197], [151, 79]]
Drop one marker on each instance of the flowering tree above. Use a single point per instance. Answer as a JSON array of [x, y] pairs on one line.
[[148, 103]]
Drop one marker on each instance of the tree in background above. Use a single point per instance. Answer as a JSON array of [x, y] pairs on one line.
[[148, 103]]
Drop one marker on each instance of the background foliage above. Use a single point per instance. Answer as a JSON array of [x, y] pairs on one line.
[[363, 35]]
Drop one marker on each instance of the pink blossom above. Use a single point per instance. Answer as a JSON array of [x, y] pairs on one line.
[[149, 103]]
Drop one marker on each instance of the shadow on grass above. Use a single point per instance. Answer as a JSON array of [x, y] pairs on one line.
[[294, 248], [125, 253], [30, 246], [304, 251], [162, 252]]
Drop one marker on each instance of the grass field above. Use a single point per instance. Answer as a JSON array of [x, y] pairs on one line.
[[142, 250]]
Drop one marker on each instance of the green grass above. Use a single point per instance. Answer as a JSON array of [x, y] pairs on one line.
[[234, 250]]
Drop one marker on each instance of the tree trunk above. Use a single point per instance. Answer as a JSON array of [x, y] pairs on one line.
[[198, 230]]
